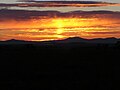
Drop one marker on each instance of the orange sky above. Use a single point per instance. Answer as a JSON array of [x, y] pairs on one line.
[[56, 28]]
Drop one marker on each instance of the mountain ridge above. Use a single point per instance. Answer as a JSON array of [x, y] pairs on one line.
[[109, 40]]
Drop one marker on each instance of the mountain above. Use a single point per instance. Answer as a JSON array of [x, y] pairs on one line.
[[78, 40], [96, 40], [14, 41]]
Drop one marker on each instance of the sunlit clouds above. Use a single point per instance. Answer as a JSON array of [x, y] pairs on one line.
[[61, 26]]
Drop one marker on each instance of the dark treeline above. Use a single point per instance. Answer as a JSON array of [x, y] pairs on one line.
[[60, 67]]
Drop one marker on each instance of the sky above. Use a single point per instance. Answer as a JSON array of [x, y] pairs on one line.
[[11, 1], [117, 1], [54, 21], [86, 7], [54, 25]]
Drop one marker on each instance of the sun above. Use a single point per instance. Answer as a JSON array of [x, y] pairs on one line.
[[59, 26]]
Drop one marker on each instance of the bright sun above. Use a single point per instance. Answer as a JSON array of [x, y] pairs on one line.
[[60, 26]]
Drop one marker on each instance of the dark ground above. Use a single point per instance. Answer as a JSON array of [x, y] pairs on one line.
[[59, 67]]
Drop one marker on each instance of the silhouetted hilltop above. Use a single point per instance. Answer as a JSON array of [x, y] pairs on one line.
[[14, 41], [78, 40]]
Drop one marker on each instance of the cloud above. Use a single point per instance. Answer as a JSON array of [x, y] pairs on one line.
[[73, 0], [59, 4], [25, 14]]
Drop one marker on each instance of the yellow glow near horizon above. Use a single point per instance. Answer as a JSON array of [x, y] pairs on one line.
[[59, 25], [59, 28]]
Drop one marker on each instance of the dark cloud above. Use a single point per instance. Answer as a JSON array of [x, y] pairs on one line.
[[59, 4], [25, 15]]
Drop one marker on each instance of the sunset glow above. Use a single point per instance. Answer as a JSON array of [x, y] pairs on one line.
[[57, 20], [59, 28]]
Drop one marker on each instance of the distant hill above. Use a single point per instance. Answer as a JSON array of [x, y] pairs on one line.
[[96, 40], [111, 40], [14, 41]]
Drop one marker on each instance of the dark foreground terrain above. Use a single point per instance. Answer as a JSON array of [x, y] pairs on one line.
[[59, 67]]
